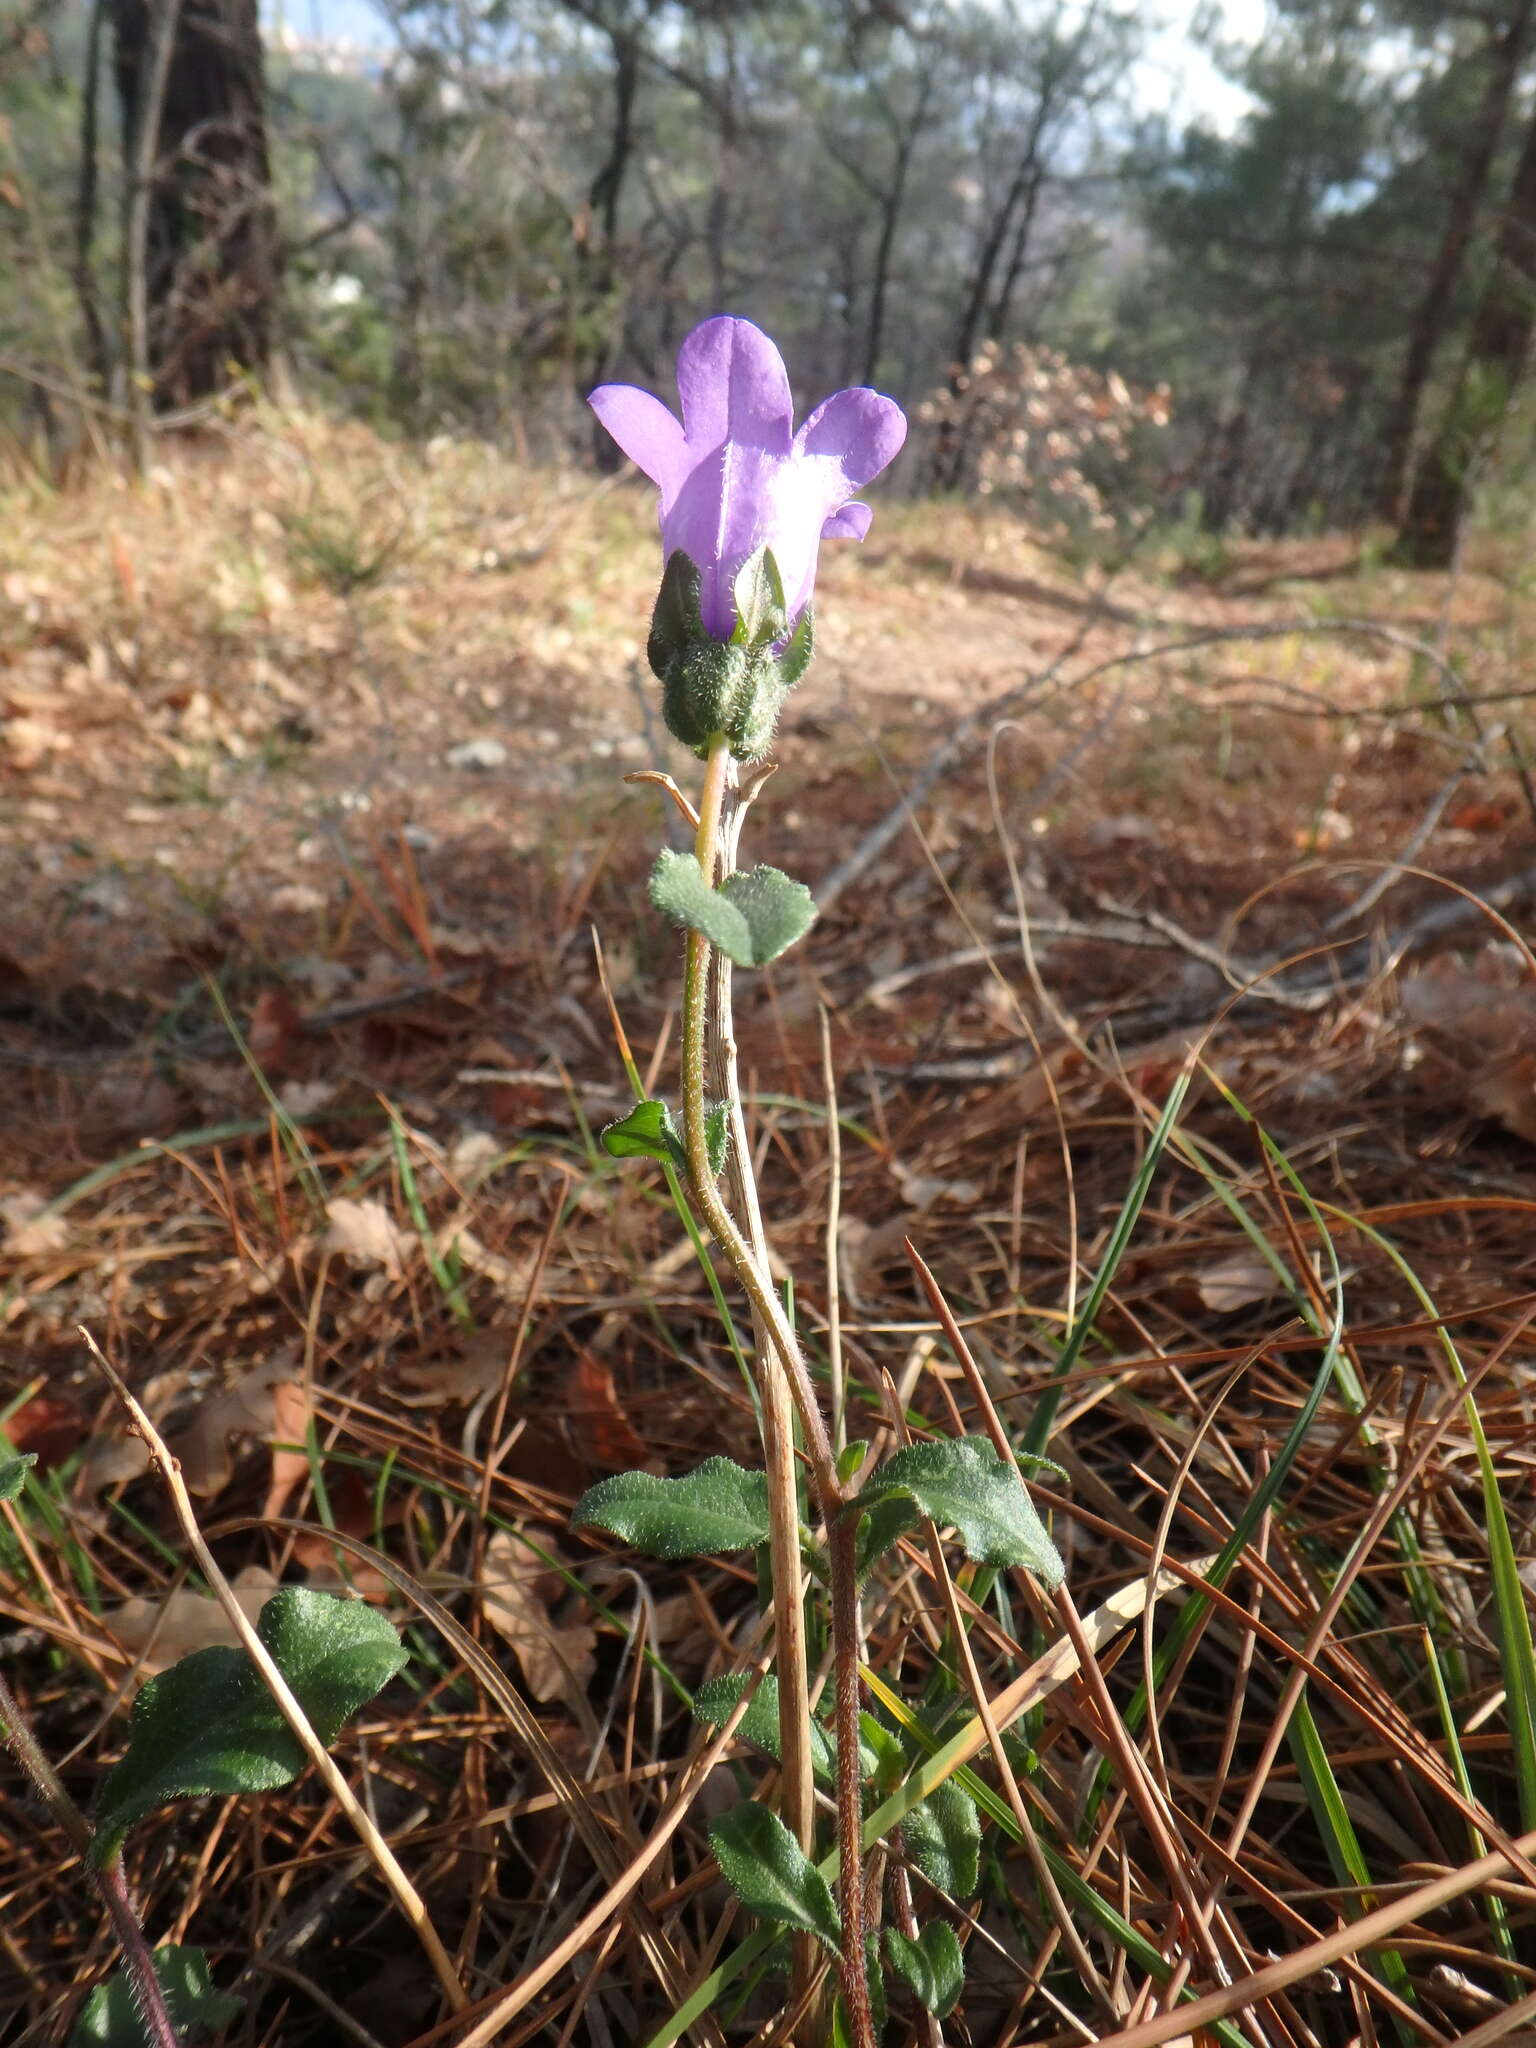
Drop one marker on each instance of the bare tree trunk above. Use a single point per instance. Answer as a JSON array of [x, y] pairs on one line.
[[1497, 355], [892, 202], [85, 200], [202, 255], [143, 111], [1506, 51]]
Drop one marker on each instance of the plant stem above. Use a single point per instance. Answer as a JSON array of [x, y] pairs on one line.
[[138, 1960], [768, 1313], [842, 1548], [778, 1418]]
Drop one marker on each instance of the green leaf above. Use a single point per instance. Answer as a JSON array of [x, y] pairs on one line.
[[769, 1872], [932, 1965], [887, 1759], [715, 1701], [753, 918], [650, 1132], [849, 1459], [778, 910], [679, 891], [962, 1480], [883, 1526], [209, 1725], [719, 1507], [110, 2016], [13, 1470], [942, 1836]]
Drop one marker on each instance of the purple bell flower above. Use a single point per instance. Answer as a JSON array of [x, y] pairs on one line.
[[735, 476]]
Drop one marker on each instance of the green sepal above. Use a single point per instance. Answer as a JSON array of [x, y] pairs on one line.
[[719, 1507], [715, 1701], [650, 1131], [942, 1839], [758, 590], [733, 687], [771, 1874], [13, 1471], [932, 1966], [962, 1481], [110, 2016], [209, 1726], [752, 918]]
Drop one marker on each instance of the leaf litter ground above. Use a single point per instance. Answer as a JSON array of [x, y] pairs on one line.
[[310, 793]]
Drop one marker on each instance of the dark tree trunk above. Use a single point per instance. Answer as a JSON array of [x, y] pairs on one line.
[[891, 203], [1506, 53], [213, 257], [1497, 353]]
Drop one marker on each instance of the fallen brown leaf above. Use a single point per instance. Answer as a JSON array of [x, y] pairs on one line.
[[556, 1660]]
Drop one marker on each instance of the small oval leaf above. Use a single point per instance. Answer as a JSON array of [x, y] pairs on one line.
[[962, 1481], [719, 1507], [932, 1966], [209, 1725], [110, 2016], [769, 1872]]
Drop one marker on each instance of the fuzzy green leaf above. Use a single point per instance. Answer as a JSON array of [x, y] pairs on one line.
[[770, 1873], [885, 1524], [963, 1481], [209, 1726], [715, 1701], [932, 1965], [13, 1470], [110, 2016], [778, 910], [650, 1132], [679, 891], [942, 1836], [719, 1507], [752, 918]]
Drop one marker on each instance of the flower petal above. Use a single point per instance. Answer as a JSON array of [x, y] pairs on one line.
[[645, 430], [849, 522], [734, 387], [861, 430]]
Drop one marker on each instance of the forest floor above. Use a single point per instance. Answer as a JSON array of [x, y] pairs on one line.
[[311, 795]]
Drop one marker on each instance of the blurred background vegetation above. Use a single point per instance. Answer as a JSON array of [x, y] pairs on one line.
[[1294, 295]]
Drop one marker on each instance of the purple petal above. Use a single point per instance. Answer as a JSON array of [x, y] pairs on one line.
[[645, 430], [850, 522], [860, 430], [734, 387]]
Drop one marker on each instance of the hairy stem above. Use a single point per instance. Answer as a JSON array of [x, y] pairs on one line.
[[138, 1960], [778, 1416], [772, 1322], [842, 1544]]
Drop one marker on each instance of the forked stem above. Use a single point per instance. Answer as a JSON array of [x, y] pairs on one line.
[[771, 1320]]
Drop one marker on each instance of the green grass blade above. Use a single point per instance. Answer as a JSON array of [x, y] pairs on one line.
[[1041, 1422]]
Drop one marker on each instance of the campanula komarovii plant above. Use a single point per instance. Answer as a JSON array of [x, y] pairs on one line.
[[745, 503]]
